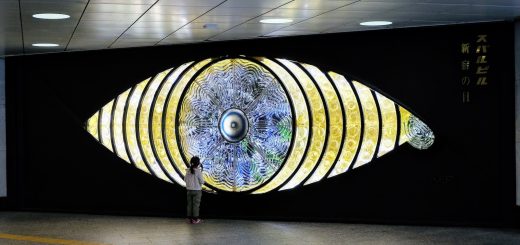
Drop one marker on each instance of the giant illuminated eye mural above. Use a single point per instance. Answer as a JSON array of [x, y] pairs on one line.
[[258, 124]]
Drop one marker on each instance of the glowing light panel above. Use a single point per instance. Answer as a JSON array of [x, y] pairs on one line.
[[237, 117], [257, 124]]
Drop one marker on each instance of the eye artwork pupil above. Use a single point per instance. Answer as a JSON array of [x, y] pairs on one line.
[[258, 124], [233, 125]]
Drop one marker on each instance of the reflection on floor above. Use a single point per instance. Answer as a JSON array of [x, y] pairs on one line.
[[76, 229]]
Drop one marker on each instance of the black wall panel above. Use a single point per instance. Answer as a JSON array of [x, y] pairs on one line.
[[467, 176]]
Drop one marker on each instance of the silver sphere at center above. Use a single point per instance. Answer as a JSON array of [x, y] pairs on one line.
[[233, 125]]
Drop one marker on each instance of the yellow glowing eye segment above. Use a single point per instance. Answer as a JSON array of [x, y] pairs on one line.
[[257, 124]]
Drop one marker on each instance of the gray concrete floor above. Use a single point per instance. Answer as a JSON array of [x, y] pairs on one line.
[[148, 230]]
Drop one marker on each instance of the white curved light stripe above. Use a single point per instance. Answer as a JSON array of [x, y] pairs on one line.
[[301, 130], [171, 107], [105, 119], [389, 125], [353, 124], [92, 125], [143, 123], [131, 134], [318, 130], [371, 125], [117, 130], [405, 117], [157, 113], [335, 119], [171, 110]]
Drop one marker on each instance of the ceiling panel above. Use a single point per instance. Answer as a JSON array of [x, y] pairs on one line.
[[10, 43], [123, 43], [151, 30], [235, 36], [53, 1], [358, 14], [294, 13], [485, 10], [475, 2], [9, 17], [100, 43], [94, 35], [254, 3], [311, 26], [34, 7], [179, 10], [38, 50], [10, 28], [319, 5], [249, 30], [203, 26], [137, 35], [193, 34], [201, 3], [123, 1], [229, 19], [117, 8], [290, 33], [372, 6], [49, 31], [234, 11], [99, 24], [173, 40], [130, 18], [185, 19], [132, 45]]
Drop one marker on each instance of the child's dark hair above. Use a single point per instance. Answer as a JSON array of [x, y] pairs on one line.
[[194, 163]]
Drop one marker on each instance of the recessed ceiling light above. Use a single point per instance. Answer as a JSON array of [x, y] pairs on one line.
[[45, 45], [276, 21], [51, 16], [376, 23]]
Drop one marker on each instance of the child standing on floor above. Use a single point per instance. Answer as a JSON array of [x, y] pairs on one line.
[[194, 182]]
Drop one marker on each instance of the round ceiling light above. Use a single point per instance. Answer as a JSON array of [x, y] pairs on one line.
[[376, 23], [51, 16], [276, 21], [45, 45]]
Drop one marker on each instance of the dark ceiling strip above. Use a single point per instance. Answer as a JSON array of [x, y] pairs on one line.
[[190, 22], [76, 27], [21, 25], [314, 17], [251, 19], [146, 11]]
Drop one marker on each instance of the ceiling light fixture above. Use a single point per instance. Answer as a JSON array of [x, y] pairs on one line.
[[376, 23], [51, 16], [45, 45], [276, 21]]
